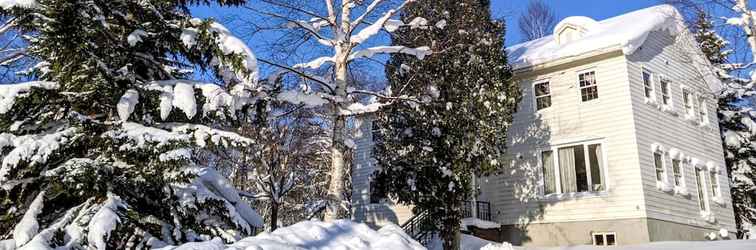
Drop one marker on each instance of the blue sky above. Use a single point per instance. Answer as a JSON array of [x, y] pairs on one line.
[[510, 10]]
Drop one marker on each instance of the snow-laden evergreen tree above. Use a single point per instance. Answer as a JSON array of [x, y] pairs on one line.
[[736, 122], [429, 152], [100, 151]]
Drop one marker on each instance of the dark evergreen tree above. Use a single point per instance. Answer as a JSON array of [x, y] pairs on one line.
[[100, 152], [736, 123], [429, 151]]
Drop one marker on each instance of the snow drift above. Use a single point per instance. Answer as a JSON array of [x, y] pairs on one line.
[[341, 234]]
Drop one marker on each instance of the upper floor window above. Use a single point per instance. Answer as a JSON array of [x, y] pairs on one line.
[[588, 88], [703, 111], [648, 85], [542, 95], [665, 91], [688, 102], [577, 168]]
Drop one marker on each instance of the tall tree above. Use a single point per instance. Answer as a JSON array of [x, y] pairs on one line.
[[349, 30], [429, 152], [537, 21], [100, 151]]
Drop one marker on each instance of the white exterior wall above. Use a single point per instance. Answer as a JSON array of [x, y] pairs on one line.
[[364, 164], [515, 194], [662, 54]]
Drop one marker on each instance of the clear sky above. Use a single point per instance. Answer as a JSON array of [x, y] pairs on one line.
[[509, 10]]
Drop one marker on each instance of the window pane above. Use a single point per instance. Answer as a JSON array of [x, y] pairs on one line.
[[543, 102], [581, 173], [713, 182], [596, 161], [542, 89], [598, 239], [665, 91], [610, 240], [547, 161], [647, 84], [589, 93], [676, 171], [567, 166], [700, 186], [702, 110], [658, 165]]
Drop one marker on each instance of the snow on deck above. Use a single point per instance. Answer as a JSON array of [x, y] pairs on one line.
[[626, 32]]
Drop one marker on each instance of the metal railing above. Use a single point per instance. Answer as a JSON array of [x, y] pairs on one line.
[[420, 227], [483, 208]]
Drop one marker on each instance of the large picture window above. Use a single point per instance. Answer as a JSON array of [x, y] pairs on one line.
[[574, 168], [588, 88]]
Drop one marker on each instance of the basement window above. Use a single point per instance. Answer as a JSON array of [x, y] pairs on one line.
[[604, 239]]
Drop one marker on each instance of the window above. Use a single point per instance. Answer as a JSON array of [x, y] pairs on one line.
[[677, 171], [714, 184], [604, 239], [547, 163], [542, 95], [702, 111], [665, 90], [578, 168], [688, 102], [648, 85], [588, 89], [700, 184], [376, 196], [659, 165]]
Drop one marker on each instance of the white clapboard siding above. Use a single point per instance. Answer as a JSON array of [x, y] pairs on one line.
[[362, 168], [665, 55], [514, 193]]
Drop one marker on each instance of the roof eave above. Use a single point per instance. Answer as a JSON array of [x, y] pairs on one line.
[[564, 60]]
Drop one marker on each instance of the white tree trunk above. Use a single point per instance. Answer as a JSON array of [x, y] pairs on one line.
[[336, 186]]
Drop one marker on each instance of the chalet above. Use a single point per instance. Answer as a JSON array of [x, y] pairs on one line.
[[616, 140]]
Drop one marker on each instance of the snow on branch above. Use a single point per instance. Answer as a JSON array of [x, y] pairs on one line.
[[9, 92], [138, 136], [373, 29], [27, 4], [420, 52], [104, 221], [32, 149]]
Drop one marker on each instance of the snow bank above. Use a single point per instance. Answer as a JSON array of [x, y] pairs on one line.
[[628, 32], [470, 242], [342, 234]]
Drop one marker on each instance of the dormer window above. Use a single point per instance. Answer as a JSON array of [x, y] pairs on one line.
[[573, 28]]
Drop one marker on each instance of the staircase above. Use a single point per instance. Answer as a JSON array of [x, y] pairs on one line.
[[420, 227]]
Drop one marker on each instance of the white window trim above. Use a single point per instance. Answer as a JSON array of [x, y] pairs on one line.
[[604, 234], [688, 114], [676, 154], [703, 111], [662, 184], [535, 96], [649, 100], [559, 195], [580, 89], [718, 198], [670, 106]]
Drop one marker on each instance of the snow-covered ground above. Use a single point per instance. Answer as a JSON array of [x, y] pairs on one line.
[[342, 234]]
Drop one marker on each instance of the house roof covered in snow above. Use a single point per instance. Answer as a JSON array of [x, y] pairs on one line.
[[578, 35]]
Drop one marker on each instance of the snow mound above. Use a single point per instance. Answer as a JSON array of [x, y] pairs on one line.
[[341, 234], [628, 32], [469, 242], [671, 245]]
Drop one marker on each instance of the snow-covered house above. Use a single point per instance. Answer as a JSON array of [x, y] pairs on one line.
[[616, 139]]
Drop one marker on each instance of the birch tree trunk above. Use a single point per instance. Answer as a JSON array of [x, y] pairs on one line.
[[336, 185]]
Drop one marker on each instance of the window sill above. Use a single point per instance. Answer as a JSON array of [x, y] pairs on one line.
[[573, 196], [669, 109], [651, 101], [664, 187], [682, 191]]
